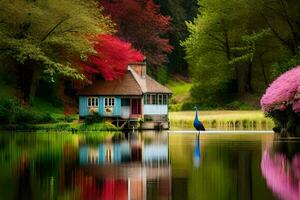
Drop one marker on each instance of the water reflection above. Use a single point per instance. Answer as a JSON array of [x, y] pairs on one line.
[[280, 167], [197, 155], [56, 166], [140, 166], [131, 169]]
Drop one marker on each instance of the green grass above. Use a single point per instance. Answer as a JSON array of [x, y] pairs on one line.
[[222, 119], [63, 126], [42, 105], [181, 93]]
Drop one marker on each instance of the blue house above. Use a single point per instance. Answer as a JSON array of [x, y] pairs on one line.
[[134, 96]]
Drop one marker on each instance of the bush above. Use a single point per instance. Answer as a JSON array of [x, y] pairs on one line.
[[94, 118], [12, 112], [70, 118], [213, 95], [282, 102], [8, 110]]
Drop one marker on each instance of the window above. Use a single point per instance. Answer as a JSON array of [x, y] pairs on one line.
[[125, 102], [148, 99], [165, 99], [154, 99], [160, 99], [93, 101], [109, 101]]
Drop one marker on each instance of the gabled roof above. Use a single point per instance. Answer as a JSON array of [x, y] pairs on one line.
[[126, 85], [131, 84], [149, 85]]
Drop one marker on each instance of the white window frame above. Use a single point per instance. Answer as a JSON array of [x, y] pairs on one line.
[[109, 101], [93, 102]]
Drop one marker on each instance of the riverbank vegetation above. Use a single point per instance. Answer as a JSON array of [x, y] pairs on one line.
[[224, 120]]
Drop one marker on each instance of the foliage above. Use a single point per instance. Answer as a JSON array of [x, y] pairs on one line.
[[180, 11], [140, 23], [236, 120], [235, 52], [12, 112], [284, 91], [162, 74], [290, 63], [247, 51], [180, 93], [281, 102], [45, 37], [112, 58], [92, 119], [287, 122]]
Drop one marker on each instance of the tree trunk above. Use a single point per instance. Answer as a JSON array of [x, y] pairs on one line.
[[266, 80], [241, 80], [34, 84], [249, 87]]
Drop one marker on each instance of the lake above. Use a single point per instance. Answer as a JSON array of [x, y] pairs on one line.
[[148, 165]]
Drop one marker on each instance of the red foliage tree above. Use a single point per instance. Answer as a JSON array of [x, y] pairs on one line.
[[113, 56], [139, 22]]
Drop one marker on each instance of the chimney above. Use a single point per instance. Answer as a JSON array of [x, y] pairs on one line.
[[140, 68]]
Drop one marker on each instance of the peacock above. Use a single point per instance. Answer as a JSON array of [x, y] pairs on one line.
[[197, 124]]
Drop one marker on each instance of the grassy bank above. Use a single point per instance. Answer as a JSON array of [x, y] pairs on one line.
[[181, 94], [182, 99], [240, 120], [42, 115], [61, 126]]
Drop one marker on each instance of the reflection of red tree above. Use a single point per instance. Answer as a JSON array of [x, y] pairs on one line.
[[282, 176], [109, 189]]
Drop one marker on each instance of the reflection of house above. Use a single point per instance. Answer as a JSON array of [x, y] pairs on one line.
[[125, 152], [133, 96], [128, 170]]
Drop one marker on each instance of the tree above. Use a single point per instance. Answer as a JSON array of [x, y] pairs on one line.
[[234, 53], [42, 38], [139, 22], [246, 52], [180, 11], [112, 58]]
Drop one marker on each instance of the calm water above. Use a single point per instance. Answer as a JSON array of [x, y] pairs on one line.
[[148, 166]]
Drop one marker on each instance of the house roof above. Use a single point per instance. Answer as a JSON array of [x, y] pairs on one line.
[[149, 85], [130, 84]]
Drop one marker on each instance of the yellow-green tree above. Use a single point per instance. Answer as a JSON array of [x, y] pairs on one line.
[[46, 38]]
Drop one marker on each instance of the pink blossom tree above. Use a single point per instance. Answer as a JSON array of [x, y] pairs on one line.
[[282, 102]]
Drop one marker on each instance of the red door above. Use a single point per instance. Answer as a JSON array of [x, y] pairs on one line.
[[136, 107]]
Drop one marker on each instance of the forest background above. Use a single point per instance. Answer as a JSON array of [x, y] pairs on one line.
[[216, 54]]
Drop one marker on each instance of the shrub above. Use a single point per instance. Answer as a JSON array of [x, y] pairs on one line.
[[12, 112], [94, 118], [8, 110], [282, 102]]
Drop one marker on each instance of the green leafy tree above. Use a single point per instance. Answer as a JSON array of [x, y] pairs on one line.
[[234, 46], [46, 38], [180, 11]]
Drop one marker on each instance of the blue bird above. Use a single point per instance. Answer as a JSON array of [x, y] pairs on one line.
[[197, 124]]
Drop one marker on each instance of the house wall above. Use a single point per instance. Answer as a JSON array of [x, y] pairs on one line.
[[155, 109], [84, 109], [120, 111], [125, 112]]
